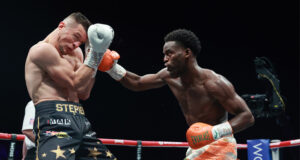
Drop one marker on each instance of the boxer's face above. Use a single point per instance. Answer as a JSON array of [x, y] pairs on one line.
[[70, 38], [174, 58]]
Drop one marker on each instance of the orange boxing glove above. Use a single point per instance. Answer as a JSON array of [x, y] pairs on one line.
[[200, 134], [109, 64], [108, 60]]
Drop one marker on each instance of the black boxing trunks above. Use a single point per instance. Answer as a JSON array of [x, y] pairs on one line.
[[64, 133]]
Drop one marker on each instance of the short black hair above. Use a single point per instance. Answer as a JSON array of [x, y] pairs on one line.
[[186, 38], [81, 19]]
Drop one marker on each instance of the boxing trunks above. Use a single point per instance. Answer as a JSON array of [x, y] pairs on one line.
[[63, 132], [222, 149]]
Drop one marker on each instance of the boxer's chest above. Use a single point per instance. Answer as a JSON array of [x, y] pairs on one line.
[[191, 94]]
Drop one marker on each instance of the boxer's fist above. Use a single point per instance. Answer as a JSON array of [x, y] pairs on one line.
[[200, 134], [109, 64], [109, 59], [100, 37]]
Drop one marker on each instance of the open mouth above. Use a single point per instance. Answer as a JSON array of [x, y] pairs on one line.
[[68, 49], [169, 69]]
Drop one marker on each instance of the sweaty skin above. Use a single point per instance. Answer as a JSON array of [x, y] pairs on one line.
[[54, 67], [203, 95]]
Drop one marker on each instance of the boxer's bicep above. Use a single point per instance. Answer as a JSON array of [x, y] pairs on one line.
[[152, 81], [223, 91], [50, 62], [234, 104]]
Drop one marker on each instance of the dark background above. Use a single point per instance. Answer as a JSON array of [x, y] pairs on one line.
[[232, 35]]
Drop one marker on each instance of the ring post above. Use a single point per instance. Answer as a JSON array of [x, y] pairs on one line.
[[12, 147], [275, 151], [139, 150]]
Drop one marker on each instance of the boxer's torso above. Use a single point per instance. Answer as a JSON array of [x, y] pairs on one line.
[[197, 104], [42, 87]]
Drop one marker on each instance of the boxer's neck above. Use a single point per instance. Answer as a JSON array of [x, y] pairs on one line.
[[192, 72], [52, 39]]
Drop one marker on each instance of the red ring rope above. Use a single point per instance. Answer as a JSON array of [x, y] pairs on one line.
[[289, 143]]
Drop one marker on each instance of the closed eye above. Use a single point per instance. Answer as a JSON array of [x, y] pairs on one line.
[[78, 37]]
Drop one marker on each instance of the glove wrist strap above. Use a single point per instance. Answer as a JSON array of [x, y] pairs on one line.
[[117, 72], [93, 60], [221, 130]]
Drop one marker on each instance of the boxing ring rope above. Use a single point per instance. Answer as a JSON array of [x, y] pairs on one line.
[[139, 143]]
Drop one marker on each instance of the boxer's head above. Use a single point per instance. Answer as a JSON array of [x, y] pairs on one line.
[[72, 32], [180, 46]]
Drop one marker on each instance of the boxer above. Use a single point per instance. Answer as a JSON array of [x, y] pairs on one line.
[[205, 97], [57, 77]]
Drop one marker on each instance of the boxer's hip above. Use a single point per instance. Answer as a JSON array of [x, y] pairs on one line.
[[60, 118], [222, 149], [59, 107]]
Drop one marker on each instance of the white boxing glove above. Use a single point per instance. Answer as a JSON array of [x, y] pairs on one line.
[[100, 37]]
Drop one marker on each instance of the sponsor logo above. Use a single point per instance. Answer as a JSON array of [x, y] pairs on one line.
[[70, 108], [57, 134], [259, 149], [169, 143], [258, 152], [119, 141], [199, 138], [61, 121], [91, 134], [295, 141], [12, 149], [87, 123]]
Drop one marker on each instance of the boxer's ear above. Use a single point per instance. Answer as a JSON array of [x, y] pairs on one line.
[[61, 25], [188, 52]]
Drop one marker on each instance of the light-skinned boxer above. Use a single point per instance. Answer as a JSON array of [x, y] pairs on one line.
[[57, 77]]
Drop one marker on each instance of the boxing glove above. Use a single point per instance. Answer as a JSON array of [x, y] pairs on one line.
[[200, 134], [100, 37], [109, 65]]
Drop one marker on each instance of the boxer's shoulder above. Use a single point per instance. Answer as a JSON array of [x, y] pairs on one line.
[[219, 87], [164, 74], [213, 82], [41, 51], [209, 74], [210, 77], [42, 45]]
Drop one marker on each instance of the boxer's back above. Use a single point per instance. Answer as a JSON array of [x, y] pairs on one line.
[[40, 85]]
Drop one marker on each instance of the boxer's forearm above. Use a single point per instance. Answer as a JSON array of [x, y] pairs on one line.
[[83, 79], [84, 94], [130, 81], [135, 82], [242, 121]]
